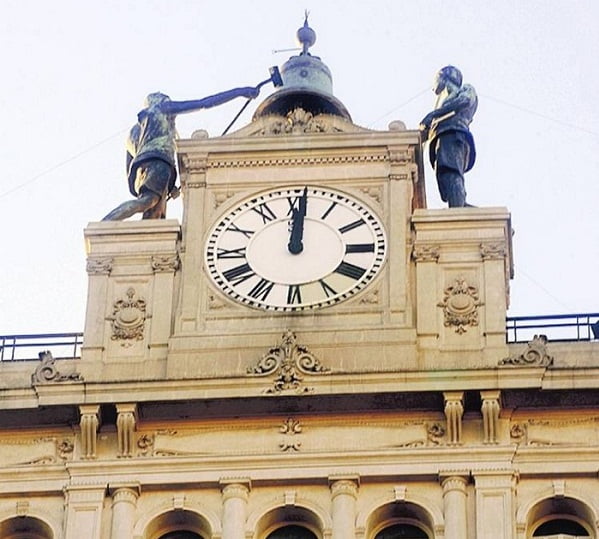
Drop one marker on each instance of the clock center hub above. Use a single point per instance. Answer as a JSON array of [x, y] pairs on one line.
[[323, 252]]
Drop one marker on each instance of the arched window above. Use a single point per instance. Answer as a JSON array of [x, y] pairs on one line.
[[562, 528], [292, 532], [25, 528], [181, 535], [402, 531]]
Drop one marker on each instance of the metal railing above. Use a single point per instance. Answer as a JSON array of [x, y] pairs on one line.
[[28, 347], [557, 327]]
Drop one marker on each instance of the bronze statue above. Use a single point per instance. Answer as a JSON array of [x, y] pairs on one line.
[[150, 163], [451, 146]]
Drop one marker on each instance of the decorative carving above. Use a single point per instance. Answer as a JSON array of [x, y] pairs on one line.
[[298, 122], [194, 164], [460, 305], [544, 433], [373, 192], [534, 355], [125, 429], [299, 161], [145, 444], [34, 451], [371, 298], [290, 428], [99, 266], [89, 423], [46, 371], [345, 487], [65, 448], [166, 263], [288, 360], [426, 253], [492, 251], [490, 410], [454, 410], [128, 318], [435, 433]]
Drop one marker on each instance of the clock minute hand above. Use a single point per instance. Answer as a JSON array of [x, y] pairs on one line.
[[295, 244]]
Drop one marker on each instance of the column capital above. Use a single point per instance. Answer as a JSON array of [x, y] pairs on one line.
[[453, 482], [235, 488], [124, 492], [346, 485]]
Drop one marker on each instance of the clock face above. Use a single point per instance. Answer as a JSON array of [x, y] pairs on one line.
[[295, 248]]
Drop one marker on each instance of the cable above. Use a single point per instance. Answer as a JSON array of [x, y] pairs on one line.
[[540, 115], [62, 163], [399, 107]]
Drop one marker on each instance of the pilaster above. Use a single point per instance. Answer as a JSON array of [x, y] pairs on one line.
[[84, 511], [495, 514]]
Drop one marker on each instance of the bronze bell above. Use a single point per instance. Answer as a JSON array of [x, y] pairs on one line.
[[307, 84]]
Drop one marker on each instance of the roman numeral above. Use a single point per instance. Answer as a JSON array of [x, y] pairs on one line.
[[292, 204], [234, 228], [294, 294], [265, 212], [329, 210], [350, 270], [261, 290], [230, 253], [238, 274], [359, 248], [351, 226], [328, 290]]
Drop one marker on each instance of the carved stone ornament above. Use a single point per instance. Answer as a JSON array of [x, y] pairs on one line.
[[460, 305], [288, 361], [46, 371], [167, 263], [298, 122], [99, 266], [290, 428], [534, 355], [128, 317], [426, 253]]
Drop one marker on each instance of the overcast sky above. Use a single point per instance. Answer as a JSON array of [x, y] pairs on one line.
[[75, 74]]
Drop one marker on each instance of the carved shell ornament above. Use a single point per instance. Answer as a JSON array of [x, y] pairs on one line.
[[460, 305], [128, 317]]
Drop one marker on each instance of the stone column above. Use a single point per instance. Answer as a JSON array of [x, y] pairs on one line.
[[454, 506], [124, 503], [454, 410], [235, 499], [89, 423], [344, 492]]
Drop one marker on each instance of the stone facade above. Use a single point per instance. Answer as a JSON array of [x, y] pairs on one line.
[[400, 412]]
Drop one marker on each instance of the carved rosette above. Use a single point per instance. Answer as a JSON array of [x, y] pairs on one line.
[[128, 317], [288, 361], [535, 354], [47, 371], [460, 305]]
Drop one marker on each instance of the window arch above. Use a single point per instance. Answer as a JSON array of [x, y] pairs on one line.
[[560, 518], [292, 532], [183, 524], [181, 535], [402, 531], [25, 528]]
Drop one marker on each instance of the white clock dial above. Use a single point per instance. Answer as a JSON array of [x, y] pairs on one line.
[[295, 248]]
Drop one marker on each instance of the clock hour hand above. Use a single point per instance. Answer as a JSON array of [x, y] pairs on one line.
[[298, 215]]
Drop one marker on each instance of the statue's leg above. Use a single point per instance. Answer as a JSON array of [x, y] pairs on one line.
[[451, 187], [145, 202]]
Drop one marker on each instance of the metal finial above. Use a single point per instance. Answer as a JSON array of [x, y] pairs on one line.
[[305, 35]]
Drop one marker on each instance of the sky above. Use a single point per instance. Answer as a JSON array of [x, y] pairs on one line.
[[75, 75]]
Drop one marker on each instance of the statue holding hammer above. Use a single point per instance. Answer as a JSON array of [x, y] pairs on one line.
[[451, 150]]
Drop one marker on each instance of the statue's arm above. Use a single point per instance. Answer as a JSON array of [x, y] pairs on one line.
[[179, 107], [460, 100]]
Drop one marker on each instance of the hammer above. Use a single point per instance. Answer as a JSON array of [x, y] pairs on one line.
[[275, 78]]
